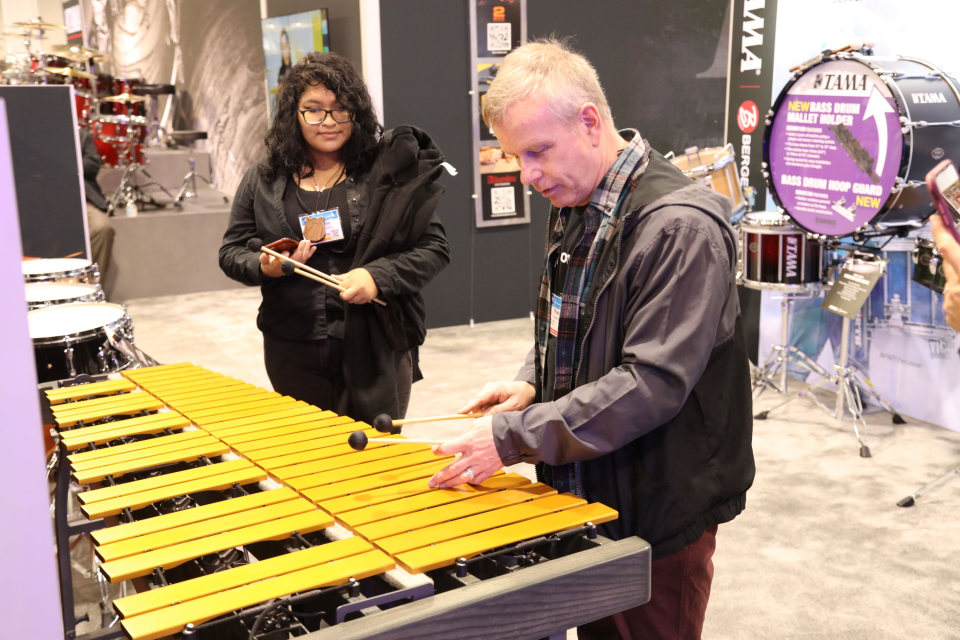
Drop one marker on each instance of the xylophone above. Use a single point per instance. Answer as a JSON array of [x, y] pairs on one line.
[[239, 512]]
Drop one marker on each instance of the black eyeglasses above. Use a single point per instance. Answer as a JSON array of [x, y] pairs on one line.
[[317, 116]]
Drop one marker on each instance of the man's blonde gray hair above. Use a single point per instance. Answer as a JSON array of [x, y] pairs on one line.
[[548, 70]]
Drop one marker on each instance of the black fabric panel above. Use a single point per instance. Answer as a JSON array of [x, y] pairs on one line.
[[426, 80], [47, 171]]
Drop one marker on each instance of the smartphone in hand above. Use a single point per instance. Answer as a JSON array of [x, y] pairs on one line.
[[944, 185], [284, 244]]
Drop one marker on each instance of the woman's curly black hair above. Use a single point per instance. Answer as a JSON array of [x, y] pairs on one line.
[[286, 148]]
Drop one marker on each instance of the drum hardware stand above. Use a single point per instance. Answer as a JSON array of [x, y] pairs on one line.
[[849, 381], [777, 360], [129, 187], [188, 188], [930, 487]]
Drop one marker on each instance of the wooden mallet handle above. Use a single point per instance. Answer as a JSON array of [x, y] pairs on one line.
[[319, 276], [456, 416], [358, 441]]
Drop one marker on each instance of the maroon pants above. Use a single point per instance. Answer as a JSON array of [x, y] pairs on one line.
[[680, 586]]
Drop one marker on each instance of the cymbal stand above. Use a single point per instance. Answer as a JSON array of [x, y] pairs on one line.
[[930, 487], [129, 187], [849, 381], [776, 363]]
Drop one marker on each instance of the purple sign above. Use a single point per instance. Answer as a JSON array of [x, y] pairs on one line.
[[835, 148]]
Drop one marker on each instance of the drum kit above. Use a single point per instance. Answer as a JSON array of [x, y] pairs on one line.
[[865, 215], [113, 109], [74, 331]]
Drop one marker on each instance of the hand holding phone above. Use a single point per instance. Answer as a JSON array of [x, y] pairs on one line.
[[300, 251], [944, 185]]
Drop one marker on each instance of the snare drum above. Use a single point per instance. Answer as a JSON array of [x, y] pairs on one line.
[[48, 294], [61, 270], [715, 168], [119, 139], [777, 256], [928, 265], [70, 339]]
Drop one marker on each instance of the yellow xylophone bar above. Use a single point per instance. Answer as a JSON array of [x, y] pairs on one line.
[[282, 437], [198, 530], [193, 395], [162, 622], [101, 433], [148, 526], [198, 376], [259, 412], [113, 506], [230, 400], [81, 391], [471, 506], [340, 455], [222, 581], [169, 557], [208, 448], [282, 425], [83, 405], [446, 553], [130, 373], [306, 449], [298, 479], [231, 427], [147, 484], [131, 450], [210, 396], [411, 497], [368, 483], [464, 527], [216, 385], [130, 407]]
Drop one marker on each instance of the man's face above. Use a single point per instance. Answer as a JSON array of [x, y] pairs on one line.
[[561, 159]]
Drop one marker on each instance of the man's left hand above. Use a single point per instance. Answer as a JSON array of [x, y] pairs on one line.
[[359, 285], [478, 453]]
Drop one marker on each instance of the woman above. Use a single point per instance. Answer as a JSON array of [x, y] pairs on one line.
[[326, 152], [285, 56]]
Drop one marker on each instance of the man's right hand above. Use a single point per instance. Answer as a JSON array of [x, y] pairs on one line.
[[270, 266], [497, 397]]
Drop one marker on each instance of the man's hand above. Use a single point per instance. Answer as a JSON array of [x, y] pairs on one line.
[[951, 268], [270, 266], [477, 453], [497, 397], [359, 285]]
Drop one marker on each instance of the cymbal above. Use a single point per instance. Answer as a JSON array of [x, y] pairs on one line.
[[69, 72], [124, 97], [77, 53], [38, 24]]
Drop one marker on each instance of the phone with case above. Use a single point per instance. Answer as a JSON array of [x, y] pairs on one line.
[[284, 244], [944, 185]]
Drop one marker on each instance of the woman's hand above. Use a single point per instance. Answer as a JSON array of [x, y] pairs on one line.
[[359, 285], [270, 265]]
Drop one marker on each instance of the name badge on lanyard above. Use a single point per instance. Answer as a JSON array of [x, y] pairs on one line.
[[555, 315], [321, 227]]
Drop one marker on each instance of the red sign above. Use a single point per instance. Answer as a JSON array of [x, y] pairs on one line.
[[748, 116]]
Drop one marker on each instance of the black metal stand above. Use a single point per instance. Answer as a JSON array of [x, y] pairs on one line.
[[930, 487], [64, 530]]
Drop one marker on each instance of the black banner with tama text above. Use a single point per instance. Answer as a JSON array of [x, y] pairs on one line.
[[749, 87]]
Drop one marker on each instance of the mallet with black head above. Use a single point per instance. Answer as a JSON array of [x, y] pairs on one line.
[[385, 424], [358, 440]]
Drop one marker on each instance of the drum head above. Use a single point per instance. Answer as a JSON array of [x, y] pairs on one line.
[[765, 219], [54, 265], [48, 291], [69, 319], [834, 147]]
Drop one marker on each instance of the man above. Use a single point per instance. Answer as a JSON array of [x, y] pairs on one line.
[[98, 223], [637, 391], [951, 269]]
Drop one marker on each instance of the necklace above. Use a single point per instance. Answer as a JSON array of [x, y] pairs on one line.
[[335, 178]]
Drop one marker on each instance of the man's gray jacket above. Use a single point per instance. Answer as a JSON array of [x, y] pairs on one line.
[[660, 419]]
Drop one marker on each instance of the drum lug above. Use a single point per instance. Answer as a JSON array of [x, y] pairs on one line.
[[68, 354]]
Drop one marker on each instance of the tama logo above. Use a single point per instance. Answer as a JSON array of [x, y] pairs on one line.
[[840, 82], [791, 256], [928, 98], [752, 36]]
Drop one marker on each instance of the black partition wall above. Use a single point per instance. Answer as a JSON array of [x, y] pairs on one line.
[[664, 70]]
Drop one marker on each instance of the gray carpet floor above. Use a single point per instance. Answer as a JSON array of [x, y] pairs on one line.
[[822, 550]]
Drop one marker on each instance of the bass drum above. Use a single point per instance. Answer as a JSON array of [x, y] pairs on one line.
[[851, 138]]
